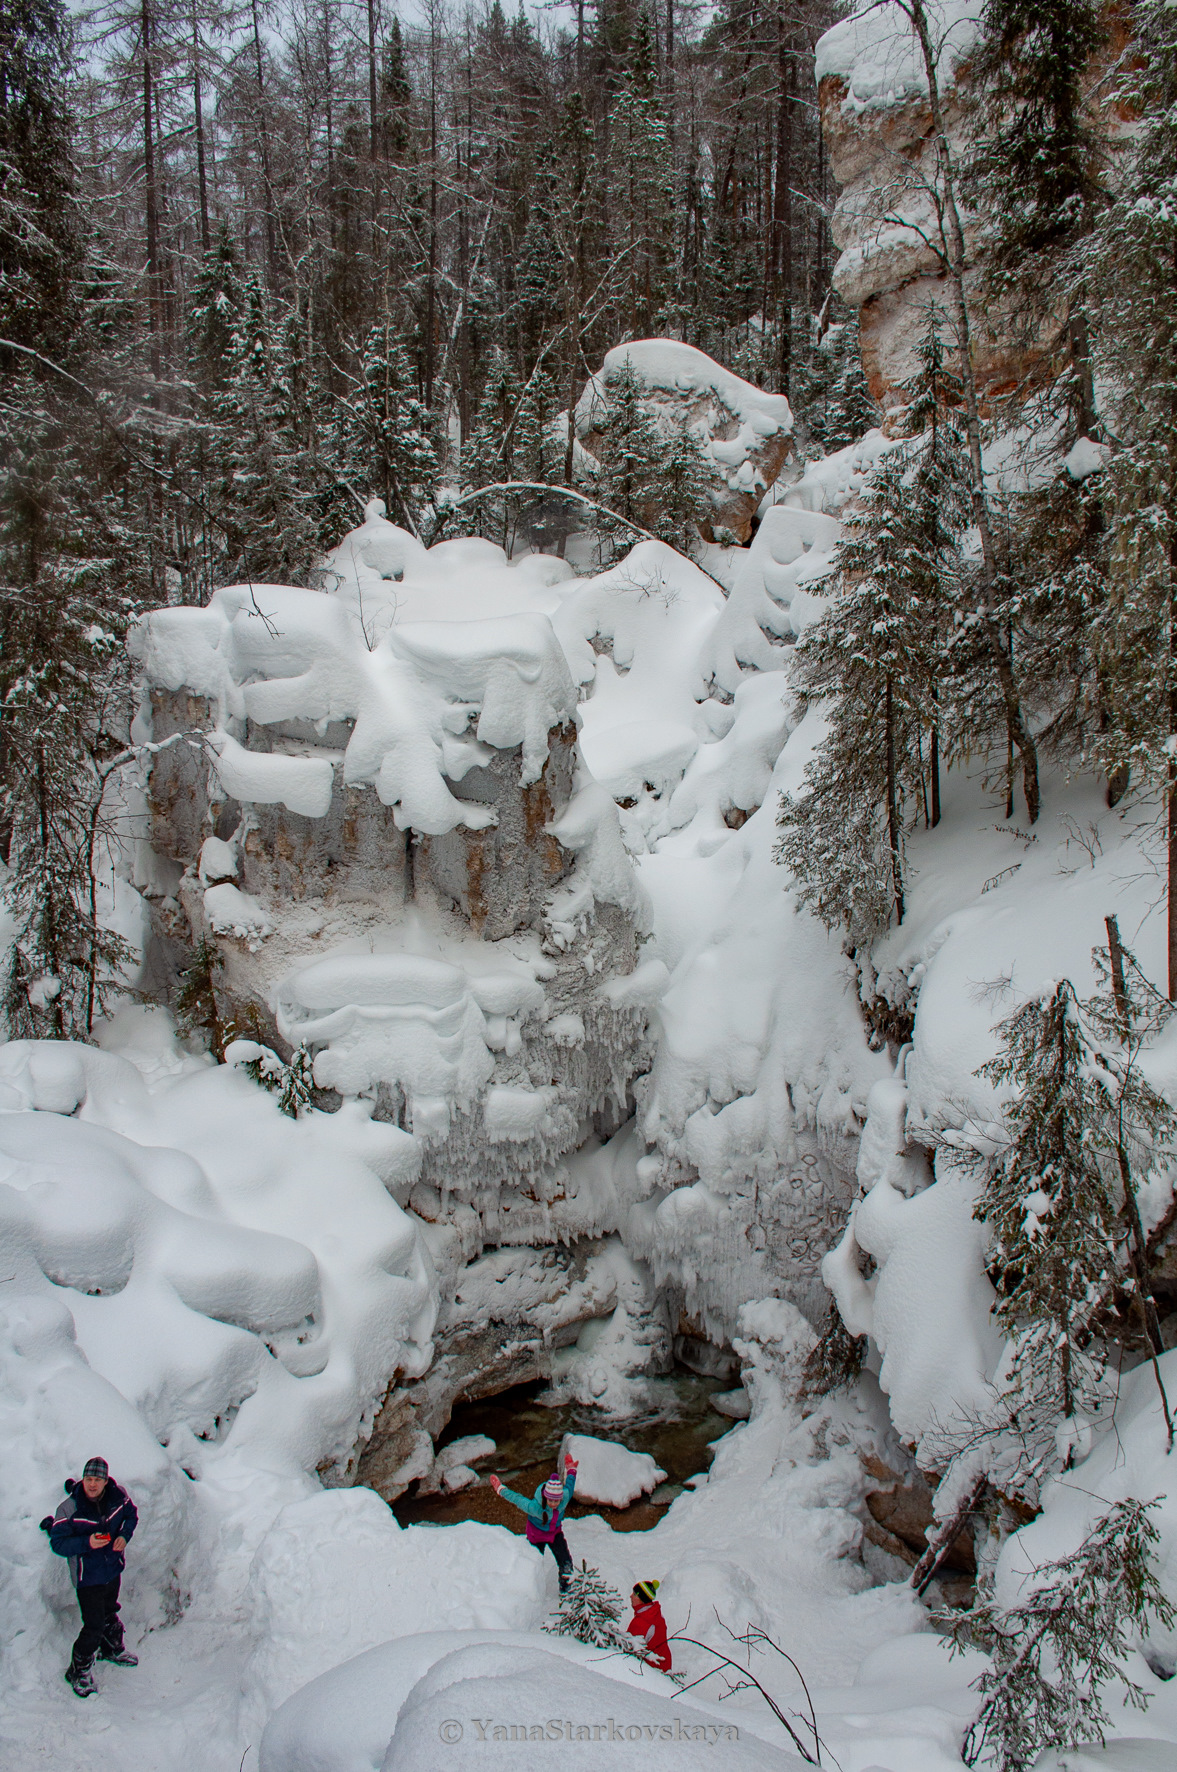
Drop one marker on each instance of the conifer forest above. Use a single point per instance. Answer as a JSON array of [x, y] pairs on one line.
[[588, 884]]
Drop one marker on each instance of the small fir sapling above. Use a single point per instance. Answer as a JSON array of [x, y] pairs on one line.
[[591, 1611], [835, 1360], [291, 1080], [196, 1007], [1050, 1201], [1053, 1654]]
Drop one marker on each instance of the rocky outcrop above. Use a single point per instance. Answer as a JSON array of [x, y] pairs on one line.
[[512, 1317], [744, 436], [391, 849], [877, 125]]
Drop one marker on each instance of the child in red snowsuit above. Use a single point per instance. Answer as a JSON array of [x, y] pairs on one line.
[[648, 1624]]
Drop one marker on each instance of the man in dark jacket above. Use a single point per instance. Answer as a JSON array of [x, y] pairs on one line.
[[91, 1528]]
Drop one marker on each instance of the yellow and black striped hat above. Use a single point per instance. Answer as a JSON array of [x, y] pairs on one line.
[[647, 1589]]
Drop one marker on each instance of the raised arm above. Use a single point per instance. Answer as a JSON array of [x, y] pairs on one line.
[[522, 1502]]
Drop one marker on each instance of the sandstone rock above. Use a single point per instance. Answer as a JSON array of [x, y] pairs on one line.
[[877, 125], [901, 1511]]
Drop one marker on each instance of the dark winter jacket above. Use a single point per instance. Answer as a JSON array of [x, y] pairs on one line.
[[648, 1624], [78, 1517]]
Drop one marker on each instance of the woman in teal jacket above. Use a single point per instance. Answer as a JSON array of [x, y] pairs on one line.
[[545, 1515]]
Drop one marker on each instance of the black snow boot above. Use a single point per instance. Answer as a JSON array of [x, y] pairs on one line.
[[119, 1657], [81, 1679]]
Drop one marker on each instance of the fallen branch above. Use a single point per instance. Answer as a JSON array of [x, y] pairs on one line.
[[946, 1537], [814, 1758]]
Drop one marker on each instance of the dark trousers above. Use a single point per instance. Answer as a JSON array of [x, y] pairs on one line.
[[559, 1549], [102, 1628]]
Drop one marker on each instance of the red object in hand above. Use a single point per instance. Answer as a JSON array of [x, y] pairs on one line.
[[495, 1484], [570, 1464], [98, 1540]]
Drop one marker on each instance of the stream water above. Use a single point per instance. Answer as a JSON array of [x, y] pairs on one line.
[[678, 1428]]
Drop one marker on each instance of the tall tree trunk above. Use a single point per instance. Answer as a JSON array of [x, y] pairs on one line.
[[373, 116], [782, 207], [198, 119], [1172, 783], [430, 289], [264, 151], [892, 801], [150, 188], [955, 262]]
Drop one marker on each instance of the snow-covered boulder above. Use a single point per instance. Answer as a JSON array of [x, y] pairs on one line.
[[504, 1708], [610, 1473], [744, 434], [538, 1700]]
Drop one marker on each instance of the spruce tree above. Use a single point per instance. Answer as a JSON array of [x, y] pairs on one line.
[[64, 707], [1037, 173], [1138, 1126], [641, 194], [394, 97], [1134, 278], [215, 314], [653, 474], [197, 1010], [1055, 1652], [486, 453], [392, 443], [1050, 1202], [72, 567], [271, 491], [590, 1610], [832, 402], [633, 452], [40, 226], [878, 662]]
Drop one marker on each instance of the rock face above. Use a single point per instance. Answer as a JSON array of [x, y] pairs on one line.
[[877, 124], [391, 848], [744, 435], [508, 1318]]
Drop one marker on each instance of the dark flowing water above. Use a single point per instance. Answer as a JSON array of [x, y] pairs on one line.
[[678, 1428]]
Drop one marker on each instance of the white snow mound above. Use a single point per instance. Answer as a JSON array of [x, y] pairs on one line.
[[610, 1473]]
